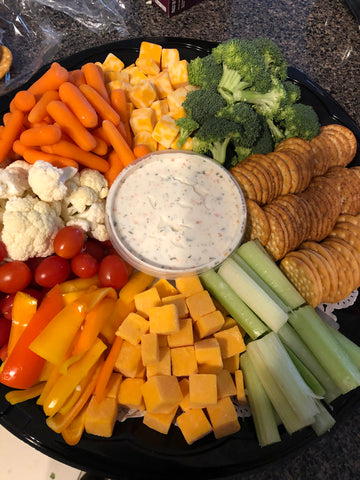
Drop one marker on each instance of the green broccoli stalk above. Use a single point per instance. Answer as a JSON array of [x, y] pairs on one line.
[[204, 72], [187, 126], [201, 104], [273, 57]]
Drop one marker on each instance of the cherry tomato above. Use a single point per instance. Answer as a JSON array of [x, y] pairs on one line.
[[6, 305], [5, 326], [69, 241], [52, 270], [3, 251], [84, 265], [14, 276], [95, 248], [113, 272]]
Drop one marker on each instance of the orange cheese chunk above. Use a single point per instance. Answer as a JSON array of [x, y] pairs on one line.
[[200, 304], [208, 355], [202, 390], [147, 65], [185, 402], [162, 366], [133, 327], [149, 348], [150, 50], [232, 363], [112, 388], [231, 342], [176, 98], [161, 393], [142, 94], [194, 425], [100, 417], [209, 323], [169, 56], [142, 120], [179, 301], [240, 387], [189, 285], [165, 131], [160, 108], [178, 73], [162, 84], [185, 335], [145, 138], [129, 360], [164, 320], [146, 300], [112, 63], [223, 418], [183, 361], [130, 394], [165, 288], [225, 384], [161, 422]]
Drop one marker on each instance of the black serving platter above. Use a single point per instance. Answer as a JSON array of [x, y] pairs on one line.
[[135, 451]]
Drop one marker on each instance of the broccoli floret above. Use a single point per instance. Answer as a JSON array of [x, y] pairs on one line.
[[300, 120], [274, 59], [249, 121], [214, 136], [243, 68], [201, 104], [204, 72], [264, 143], [293, 92], [187, 127]]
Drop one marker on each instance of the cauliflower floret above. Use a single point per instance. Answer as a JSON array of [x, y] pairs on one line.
[[14, 179], [95, 180], [29, 227], [78, 201], [92, 221], [49, 182]]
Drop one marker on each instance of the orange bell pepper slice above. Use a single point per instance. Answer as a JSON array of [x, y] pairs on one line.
[[24, 308]]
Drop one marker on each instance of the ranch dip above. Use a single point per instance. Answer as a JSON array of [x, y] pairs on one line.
[[175, 212]]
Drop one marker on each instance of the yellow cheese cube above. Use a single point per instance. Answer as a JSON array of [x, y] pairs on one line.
[[162, 84], [146, 300], [130, 394], [112, 63], [194, 425], [165, 131], [229, 323], [113, 385], [208, 355], [143, 94], [145, 138], [184, 336], [115, 84], [162, 366], [161, 422], [161, 393], [230, 341], [129, 360], [147, 65], [169, 56], [183, 361], [133, 327], [178, 73], [232, 363], [223, 418], [176, 98], [163, 340], [100, 417], [189, 285], [165, 288], [209, 323], [164, 319], [112, 76], [151, 50], [178, 113], [149, 348], [202, 390], [179, 301], [184, 387], [200, 304], [225, 384], [136, 76], [160, 108], [142, 120], [240, 387]]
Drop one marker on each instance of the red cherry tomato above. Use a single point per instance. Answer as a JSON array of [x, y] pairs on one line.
[[52, 270], [84, 265], [3, 251], [68, 242], [95, 249], [113, 272], [5, 326], [6, 305], [14, 276]]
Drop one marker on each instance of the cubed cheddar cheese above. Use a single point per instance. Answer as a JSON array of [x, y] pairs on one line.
[[202, 390], [229, 323], [189, 285], [112, 76], [137, 75], [194, 425], [231, 342], [161, 422], [178, 73], [186, 146], [185, 335], [145, 138], [161, 393], [176, 98], [209, 323], [208, 355], [142, 120], [147, 65], [162, 84], [162, 366], [129, 360], [184, 387], [112, 63], [179, 301], [223, 418], [149, 348], [160, 108], [116, 84], [177, 113], [165, 288], [169, 56], [200, 304], [231, 364], [100, 417], [225, 384], [151, 50], [164, 320], [112, 388], [240, 387], [143, 94], [130, 394], [165, 131], [146, 300], [183, 361], [133, 327]]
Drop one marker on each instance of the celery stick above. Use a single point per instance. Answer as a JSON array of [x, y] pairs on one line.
[[291, 339], [323, 420], [353, 350], [246, 318], [324, 346], [261, 408], [250, 293], [260, 261], [263, 285]]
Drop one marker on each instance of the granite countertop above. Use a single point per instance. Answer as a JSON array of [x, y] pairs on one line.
[[319, 37]]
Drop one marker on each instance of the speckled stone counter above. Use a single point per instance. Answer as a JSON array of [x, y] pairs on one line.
[[321, 38]]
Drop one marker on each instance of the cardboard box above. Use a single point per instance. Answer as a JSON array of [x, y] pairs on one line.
[[172, 7]]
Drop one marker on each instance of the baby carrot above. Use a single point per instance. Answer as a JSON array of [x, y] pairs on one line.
[[94, 77], [126, 155], [102, 106], [31, 155], [42, 135], [68, 149], [115, 167], [140, 150], [71, 125], [124, 128], [107, 369], [24, 100], [99, 133], [11, 132], [39, 112], [19, 147], [119, 103], [101, 147], [77, 77], [71, 95], [50, 80]]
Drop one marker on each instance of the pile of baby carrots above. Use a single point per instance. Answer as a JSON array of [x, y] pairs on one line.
[[68, 118]]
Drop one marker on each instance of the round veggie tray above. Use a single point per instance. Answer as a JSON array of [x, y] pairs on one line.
[[118, 457]]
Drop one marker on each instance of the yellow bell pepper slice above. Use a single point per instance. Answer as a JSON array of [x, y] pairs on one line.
[[78, 284], [18, 396]]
